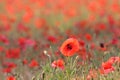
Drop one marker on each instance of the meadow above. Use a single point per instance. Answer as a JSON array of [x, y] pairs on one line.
[[59, 40]]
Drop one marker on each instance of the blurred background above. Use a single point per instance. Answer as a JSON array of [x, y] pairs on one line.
[[62, 14]]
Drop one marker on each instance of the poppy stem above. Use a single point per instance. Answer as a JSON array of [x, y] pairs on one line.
[[68, 68]]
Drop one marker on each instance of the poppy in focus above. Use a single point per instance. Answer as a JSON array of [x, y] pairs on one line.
[[69, 47]]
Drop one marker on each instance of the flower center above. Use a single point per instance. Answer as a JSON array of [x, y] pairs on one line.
[[102, 45], [69, 47]]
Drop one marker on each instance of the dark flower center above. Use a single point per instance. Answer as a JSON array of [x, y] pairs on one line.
[[69, 47], [102, 45]]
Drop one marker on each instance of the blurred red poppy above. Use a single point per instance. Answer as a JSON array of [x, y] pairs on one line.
[[11, 78], [88, 37], [1, 48], [7, 70], [52, 39], [106, 68], [24, 61], [33, 63], [4, 39], [13, 53], [59, 63], [9, 65], [69, 47]]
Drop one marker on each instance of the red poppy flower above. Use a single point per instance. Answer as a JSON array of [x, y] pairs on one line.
[[9, 65], [33, 63], [113, 60], [69, 47], [24, 61], [4, 39], [13, 53], [88, 37], [24, 42], [82, 43], [106, 68], [11, 78], [114, 41], [59, 63], [7, 70], [52, 39]]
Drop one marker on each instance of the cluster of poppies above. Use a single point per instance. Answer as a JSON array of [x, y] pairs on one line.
[[32, 32], [72, 46]]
